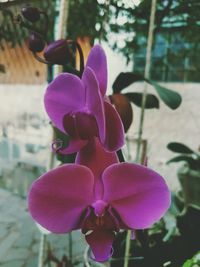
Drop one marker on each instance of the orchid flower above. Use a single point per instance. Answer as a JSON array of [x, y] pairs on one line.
[[101, 196], [80, 108]]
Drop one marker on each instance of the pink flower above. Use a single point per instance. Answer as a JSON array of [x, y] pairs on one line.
[[79, 108], [100, 197]]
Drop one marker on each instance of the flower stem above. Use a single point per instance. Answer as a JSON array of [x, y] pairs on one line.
[[127, 248], [81, 58], [41, 250], [146, 76], [70, 240], [141, 124]]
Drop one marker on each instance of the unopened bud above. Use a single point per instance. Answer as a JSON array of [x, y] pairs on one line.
[[59, 52], [36, 43], [31, 13]]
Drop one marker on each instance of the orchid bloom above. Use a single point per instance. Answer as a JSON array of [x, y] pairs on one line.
[[79, 107], [101, 196]]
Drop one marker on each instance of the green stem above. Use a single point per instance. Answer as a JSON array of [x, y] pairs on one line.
[[127, 248], [147, 76], [81, 57], [70, 246], [144, 96], [42, 250]]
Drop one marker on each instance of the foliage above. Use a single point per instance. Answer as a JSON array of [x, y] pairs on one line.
[[98, 19], [186, 154], [195, 261], [83, 16], [181, 15], [171, 98], [12, 32]]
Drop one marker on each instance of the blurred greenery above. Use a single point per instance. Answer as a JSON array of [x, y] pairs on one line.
[[100, 18], [11, 31], [194, 262]]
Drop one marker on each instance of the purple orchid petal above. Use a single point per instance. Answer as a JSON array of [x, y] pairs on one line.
[[94, 100], [64, 95], [138, 194], [98, 63], [114, 129], [97, 160], [73, 146], [59, 197], [100, 241]]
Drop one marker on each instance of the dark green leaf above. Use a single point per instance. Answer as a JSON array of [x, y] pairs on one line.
[[2, 68], [171, 98], [179, 148], [191, 162], [124, 79], [151, 100]]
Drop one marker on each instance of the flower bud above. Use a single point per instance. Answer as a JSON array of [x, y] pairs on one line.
[[35, 42], [59, 52], [32, 14], [124, 109]]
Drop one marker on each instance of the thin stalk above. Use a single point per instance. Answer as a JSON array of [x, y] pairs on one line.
[[85, 257], [144, 96], [43, 238], [41, 250], [67, 67], [127, 248], [147, 76], [70, 246], [62, 26], [81, 68]]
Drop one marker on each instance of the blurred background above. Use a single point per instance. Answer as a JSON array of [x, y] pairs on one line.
[[121, 26]]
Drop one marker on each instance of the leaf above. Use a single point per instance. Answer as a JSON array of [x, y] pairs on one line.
[[179, 148], [124, 79], [2, 68], [151, 100], [191, 162], [171, 98], [188, 263]]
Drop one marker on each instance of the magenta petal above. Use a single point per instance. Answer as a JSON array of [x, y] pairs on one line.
[[98, 63], [97, 160], [94, 100], [74, 146], [114, 129], [59, 197], [100, 241], [65, 94], [138, 194]]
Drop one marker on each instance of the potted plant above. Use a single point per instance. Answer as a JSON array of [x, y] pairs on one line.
[[188, 174]]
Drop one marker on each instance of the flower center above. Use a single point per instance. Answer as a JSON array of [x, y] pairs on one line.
[[82, 124], [99, 208], [86, 125], [99, 220]]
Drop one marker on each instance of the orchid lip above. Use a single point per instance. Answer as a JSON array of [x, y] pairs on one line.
[[82, 124]]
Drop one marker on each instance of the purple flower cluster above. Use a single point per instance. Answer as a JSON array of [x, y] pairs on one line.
[[96, 194]]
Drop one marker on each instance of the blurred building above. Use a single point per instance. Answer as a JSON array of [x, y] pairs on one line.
[[175, 57]]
